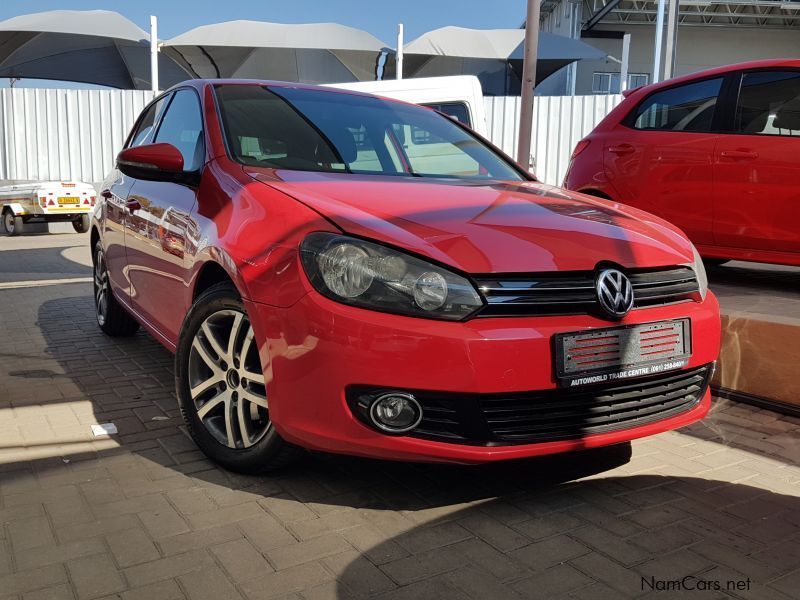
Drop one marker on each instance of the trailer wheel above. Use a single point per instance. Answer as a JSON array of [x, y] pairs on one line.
[[12, 223], [81, 224]]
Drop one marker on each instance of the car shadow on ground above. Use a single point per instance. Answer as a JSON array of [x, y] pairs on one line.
[[588, 523]]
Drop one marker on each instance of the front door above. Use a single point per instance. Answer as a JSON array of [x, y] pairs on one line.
[[116, 189], [159, 216], [757, 167], [660, 158]]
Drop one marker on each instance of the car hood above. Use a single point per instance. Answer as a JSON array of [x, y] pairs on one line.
[[487, 227]]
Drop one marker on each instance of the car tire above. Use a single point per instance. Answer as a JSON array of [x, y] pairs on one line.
[[13, 224], [221, 386], [112, 318], [81, 224], [715, 262]]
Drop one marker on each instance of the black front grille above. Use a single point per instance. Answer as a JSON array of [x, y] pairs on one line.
[[574, 292], [560, 414]]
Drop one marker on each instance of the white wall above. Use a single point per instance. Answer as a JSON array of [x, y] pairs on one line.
[[698, 48], [52, 134], [49, 134]]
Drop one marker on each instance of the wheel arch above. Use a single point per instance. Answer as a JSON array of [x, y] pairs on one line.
[[14, 208], [596, 193], [94, 237], [208, 274]]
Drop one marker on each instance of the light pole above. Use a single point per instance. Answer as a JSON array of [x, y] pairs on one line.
[[528, 85]]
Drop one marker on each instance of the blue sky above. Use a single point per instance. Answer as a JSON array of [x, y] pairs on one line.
[[379, 17]]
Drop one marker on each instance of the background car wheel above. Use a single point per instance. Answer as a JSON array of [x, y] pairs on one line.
[[113, 319], [221, 388], [13, 224], [81, 224], [715, 262]]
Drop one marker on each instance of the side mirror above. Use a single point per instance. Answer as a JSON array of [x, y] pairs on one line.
[[154, 162]]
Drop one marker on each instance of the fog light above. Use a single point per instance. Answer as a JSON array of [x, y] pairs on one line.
[[395, 412]]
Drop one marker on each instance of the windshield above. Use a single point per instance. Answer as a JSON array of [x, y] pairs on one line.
[[319, 130]]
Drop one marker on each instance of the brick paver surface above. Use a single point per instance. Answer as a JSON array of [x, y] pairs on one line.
[[143, 515]]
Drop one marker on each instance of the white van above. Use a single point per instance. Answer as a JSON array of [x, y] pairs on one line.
[[46, 202], [460, 96]]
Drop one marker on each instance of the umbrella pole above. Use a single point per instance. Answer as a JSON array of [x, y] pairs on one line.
[[528, 85], [153, 53], [399, 54]]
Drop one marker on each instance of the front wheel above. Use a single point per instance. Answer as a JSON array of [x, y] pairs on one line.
[[13, 225], [221, 387], [81, 224]]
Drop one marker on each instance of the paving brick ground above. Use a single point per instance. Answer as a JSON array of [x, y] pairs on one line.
[[143, 515]]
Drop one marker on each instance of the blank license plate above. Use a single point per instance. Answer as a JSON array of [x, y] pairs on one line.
[[68, 200], [615, 353]]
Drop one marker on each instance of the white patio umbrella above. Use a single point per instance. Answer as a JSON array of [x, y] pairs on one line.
[[308, 53], [92, 46], [461, 51]]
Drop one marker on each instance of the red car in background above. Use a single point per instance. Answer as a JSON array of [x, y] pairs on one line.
[[346, 273], [716, 153]]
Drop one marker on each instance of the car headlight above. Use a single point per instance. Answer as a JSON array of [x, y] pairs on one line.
[[369, 275], [700, 272]]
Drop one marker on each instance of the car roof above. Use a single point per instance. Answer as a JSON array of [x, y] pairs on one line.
[[743, 66], [201, 84]]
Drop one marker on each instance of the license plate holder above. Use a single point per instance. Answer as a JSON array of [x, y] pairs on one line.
[[615, 353]]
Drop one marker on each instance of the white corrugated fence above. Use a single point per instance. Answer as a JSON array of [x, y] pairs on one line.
[[51, 134], [559, 122]]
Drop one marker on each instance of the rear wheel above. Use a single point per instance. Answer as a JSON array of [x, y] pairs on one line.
[[81, 224], [221, 387], [13, 224], [112, 318]]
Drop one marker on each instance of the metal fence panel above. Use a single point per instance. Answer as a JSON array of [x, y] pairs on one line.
[[559, 122], [52, 134]]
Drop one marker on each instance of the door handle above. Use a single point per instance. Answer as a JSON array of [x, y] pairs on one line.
[[621, 149], [106, 194], [133, 205], [739, 154]]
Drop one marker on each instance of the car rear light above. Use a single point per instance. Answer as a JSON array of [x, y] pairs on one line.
[[42, 201], [579, 147], [93, 199]]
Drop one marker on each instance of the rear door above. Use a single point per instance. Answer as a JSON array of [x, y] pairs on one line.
[[757, 164], [659, 158], [158, 220]]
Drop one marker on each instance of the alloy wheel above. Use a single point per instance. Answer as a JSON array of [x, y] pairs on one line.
[[9, 222], [100, 287], [226, 382]]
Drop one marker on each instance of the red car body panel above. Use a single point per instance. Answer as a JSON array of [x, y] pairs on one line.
[[734, 195], [248, 223]]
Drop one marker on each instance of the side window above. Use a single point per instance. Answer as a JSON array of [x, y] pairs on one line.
[[688, 107], [769, 103], [144, 132], [182, 126], [456, 110]]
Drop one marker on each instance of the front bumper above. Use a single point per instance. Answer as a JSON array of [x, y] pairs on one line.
[[314, 350]]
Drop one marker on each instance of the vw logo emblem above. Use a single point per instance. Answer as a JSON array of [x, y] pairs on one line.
[[614, 292]]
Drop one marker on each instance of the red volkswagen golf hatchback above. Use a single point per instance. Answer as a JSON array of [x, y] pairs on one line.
[[345, 273], [717, 153]]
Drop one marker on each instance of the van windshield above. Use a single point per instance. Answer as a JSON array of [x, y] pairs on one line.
[[321, 130]]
